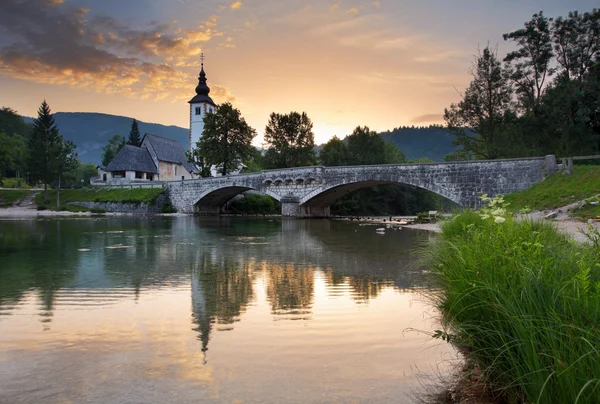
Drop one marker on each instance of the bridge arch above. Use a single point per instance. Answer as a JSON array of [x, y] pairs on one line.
[[319, 200], [211, 200]]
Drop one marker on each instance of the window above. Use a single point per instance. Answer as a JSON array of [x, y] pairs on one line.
[[198, 110], [175, 170]]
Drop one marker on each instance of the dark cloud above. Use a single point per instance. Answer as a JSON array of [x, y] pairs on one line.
[[48, 41]]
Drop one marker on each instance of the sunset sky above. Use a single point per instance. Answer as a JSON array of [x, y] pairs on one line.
[[380, 63]]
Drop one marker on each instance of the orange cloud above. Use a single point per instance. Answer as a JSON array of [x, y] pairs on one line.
[[236, 5]]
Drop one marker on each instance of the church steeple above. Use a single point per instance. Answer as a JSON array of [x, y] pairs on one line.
[[200, 105], [202, 89]]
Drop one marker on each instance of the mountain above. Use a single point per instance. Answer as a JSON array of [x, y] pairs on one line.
[[91, 131], [432, 142]]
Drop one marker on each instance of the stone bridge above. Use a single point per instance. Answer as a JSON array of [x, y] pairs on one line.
[[310, 191]]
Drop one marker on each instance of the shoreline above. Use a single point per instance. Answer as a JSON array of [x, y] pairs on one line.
[[563, 221]]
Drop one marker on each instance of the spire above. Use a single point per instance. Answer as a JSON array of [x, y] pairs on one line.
[[202, 90]]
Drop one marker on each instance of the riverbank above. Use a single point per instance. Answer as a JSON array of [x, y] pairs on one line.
[[522, 302]]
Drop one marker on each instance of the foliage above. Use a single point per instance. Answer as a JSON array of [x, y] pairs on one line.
[[558, 190], [554, 71], [66, 161], [334, 153], [97, 210], [482, 110], [253, 204], [289, 141], [226, 139], [366, 147], [122, 195], [12, 123], [134, 135], [15, 183], [529, 65], [383, 200], [523, 301], [43, 143], [115, 144], [254, 162], [169, 208], [9, 198], [197, 157]]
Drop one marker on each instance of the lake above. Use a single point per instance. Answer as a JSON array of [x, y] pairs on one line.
[[214, 310]]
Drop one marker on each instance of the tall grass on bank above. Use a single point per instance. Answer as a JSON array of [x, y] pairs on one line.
[[523, 302]]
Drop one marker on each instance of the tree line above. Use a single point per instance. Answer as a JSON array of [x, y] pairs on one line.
[[541, 98], [38, 154]]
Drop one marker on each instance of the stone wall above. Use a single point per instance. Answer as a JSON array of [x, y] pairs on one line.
[[145, 207]]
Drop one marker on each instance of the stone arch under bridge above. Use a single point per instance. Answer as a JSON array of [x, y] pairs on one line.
[[309, 191]]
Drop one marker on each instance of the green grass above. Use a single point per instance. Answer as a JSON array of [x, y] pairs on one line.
[[523, 301], [558, 190], [9, 198], [100, 195], [14, 183]]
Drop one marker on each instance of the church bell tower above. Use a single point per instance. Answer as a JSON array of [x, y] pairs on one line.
[[200, 105]]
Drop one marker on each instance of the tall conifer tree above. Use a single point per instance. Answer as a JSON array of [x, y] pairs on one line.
[[42, 143], [134, 135]]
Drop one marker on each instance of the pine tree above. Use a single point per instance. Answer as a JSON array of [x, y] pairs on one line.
[[42, 142], [134, 135]]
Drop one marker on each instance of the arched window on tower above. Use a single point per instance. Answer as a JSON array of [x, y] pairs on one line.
[[198, 110]]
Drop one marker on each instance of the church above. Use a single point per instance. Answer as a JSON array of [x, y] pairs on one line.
[[159, 158]]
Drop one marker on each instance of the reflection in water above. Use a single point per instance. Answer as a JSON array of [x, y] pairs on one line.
[[348, 290], [290, 290]]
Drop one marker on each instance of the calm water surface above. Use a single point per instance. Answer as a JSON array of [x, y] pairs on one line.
[[190, 310]]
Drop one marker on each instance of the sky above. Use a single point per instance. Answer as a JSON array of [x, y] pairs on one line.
[[382, 64]]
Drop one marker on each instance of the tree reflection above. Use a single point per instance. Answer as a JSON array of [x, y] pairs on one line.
[[221, 290], [290, 290]]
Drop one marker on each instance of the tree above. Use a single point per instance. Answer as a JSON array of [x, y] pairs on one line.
[[66, 160], [529, 65], [134, 135], [226, 138], [290, 141], [366, 147], [577, 43], [196, 157], [477, 120], [12, 123], [115, 144], [42, 147], [334, 153], [12, 154], [392, 154]]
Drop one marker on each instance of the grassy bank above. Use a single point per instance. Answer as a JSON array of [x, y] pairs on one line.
[[523, 302], [558, 190], [9, 198], [100, 195]]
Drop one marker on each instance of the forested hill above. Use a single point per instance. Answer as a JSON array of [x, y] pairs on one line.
[[432, 142], [90, 131]]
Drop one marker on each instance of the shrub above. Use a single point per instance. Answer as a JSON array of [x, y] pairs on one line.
[[42, 207], [97, 210], [168, 208]]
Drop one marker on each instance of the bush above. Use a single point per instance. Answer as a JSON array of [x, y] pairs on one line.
[[168, 208], [252, 204], [97, 210], [523, 300], [42, 207]]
